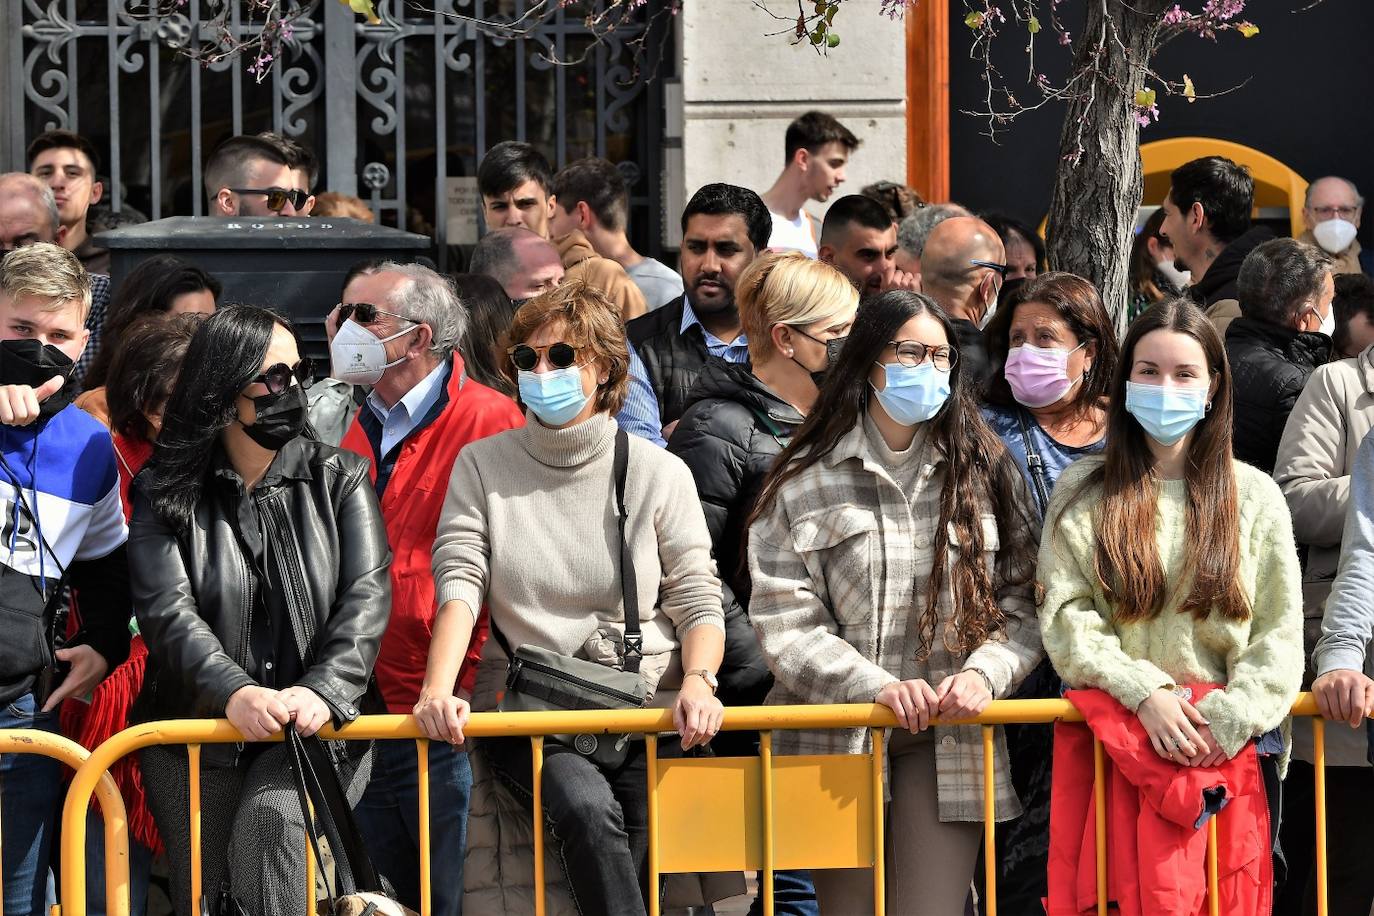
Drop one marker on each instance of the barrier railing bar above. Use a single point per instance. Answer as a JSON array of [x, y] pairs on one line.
[[1213, 894], [651, 765], [1319, 793], [193, 800], [879, 845], [1100, 822], [537, 766], [766, 799], [989, 824], [422, 785], [310, 870]]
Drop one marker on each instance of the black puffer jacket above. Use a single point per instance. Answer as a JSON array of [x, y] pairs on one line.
[[730, 436], [673, 357], [1269, 367], [326, 546]]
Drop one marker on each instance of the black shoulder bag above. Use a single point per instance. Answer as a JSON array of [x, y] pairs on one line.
[[539, 680]]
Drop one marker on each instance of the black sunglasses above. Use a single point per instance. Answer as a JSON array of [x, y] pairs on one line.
[[525, 357], [366, 313], [278, 378], [1002, 269], [277, 198]]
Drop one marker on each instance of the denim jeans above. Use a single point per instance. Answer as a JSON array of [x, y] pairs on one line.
[[30, 787], [389, 819], [140, 870], [794, 894], [599, 820]]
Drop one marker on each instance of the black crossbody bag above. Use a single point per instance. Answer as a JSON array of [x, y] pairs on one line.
[[539, 680]]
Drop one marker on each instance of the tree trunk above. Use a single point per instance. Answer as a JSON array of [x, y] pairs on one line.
[[1098, 184]]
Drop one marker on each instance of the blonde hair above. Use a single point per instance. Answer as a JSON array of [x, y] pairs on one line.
[[789, 288], [46, 272], [332, 203]]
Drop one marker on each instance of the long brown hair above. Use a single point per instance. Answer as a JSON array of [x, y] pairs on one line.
[[1126, 558], [1142, 264], [979, 470]]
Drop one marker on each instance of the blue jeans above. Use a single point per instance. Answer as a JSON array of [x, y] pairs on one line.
[[140, 870], [30, 787], [389, 818], [793, 895]]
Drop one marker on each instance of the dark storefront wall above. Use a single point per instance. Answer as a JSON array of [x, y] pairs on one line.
[[1308, 103]]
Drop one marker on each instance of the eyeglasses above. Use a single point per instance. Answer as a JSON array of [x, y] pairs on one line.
[[561, 355], [278, 378], [911, 353], [1001, 269], [277, 198], [1333, 212], [366, 313]]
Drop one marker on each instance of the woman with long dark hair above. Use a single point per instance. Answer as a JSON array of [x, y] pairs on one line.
[[892, 556], [259, 571], [1212, 598], [490, 312]]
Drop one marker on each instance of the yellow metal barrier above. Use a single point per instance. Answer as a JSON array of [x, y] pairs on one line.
[[766, 813], [66, 751]]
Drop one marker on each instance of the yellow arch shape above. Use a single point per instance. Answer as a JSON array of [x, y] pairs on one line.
[[1276, 185]]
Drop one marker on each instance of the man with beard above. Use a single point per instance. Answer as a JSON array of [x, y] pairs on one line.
[[817, 148], [723, 228], [860, 240]]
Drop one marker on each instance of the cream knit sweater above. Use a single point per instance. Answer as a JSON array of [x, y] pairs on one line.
[[529, 529], [1259, 660]]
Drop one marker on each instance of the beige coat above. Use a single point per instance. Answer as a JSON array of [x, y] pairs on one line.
[[1347, 262], [1222, 313], [1325, 429], [582, 263]]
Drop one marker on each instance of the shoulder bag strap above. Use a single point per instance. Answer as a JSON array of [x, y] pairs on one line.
[[634, 640], [317, 784], [1036, 464]]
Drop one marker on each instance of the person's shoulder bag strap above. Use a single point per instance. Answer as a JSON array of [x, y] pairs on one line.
[[1036, 464]]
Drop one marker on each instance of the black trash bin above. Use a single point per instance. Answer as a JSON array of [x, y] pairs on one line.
[[296, 266]]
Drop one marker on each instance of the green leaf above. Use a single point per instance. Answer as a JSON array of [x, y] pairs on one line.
[[1033, 26], [364, 8], [974, 20], [1248, 29], [1145, 98], [830, 14], [832, 40]]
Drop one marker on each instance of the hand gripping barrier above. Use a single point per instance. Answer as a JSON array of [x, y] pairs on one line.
[[764, 813]]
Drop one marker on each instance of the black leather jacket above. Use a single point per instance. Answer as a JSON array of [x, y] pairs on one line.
[[191, 589]]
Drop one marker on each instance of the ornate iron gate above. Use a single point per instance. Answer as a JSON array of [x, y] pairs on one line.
[[399, 113]]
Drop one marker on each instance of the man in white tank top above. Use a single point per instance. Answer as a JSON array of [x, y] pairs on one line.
[[817, 148]]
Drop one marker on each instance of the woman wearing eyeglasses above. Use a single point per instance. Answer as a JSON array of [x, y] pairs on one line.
[[259, 573], [530, 530], [892, 554]]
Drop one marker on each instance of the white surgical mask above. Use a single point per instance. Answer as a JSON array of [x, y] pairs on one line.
[[1181, 279], [1335, 235], [359, 356], [1328, 325]]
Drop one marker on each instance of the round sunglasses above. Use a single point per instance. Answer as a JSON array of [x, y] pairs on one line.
[[278, 378], [561, 355]]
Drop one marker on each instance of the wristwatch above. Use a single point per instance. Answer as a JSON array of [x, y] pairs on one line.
[[706, 676]]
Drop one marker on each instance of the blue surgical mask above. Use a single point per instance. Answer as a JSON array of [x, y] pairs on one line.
[[1166, 414], [913, 394], [556, 396]]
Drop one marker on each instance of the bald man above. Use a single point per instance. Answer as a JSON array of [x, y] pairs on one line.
[[28, 214], [1332, 213], [522, 261], [963, 265]]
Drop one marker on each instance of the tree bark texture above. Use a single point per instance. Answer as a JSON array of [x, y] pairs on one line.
[[1098, 184]]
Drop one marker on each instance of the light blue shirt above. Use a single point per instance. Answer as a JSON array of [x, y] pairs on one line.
[[737, 351], [413, 407], [639, 414]]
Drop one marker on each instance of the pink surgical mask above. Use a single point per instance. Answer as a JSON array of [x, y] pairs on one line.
[[1039, 376]]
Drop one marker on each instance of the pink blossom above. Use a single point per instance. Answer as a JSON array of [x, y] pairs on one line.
[[1223, 9], [1065, 39], [1174, 16]]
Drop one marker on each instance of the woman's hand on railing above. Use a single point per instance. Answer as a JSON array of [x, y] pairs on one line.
[[307, 708], [1344, 695], [963, 695], [442, 717], [914, 702], [1169, 719], [697, 714], [257, 712]]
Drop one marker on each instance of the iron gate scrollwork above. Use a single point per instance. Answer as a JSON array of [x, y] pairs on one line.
[[424, 93]]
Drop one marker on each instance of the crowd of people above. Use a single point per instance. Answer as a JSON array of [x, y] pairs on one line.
[[881, 457]]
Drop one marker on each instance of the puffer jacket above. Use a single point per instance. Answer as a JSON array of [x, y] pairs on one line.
[[1216, 290], [191, 589], [1270, 365], [1316, 454]]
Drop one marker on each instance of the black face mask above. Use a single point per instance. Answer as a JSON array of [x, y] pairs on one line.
[[28, 362], [281, 418], [832, 356]]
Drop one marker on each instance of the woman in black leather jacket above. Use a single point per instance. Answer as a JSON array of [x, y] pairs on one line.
[[259, 577]]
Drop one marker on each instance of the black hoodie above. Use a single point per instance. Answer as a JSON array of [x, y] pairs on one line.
[[1220, 280]]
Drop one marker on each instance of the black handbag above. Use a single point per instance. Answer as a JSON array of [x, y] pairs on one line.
[[539, 680]]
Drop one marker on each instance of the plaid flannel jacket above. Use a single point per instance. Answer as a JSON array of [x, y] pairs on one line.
[[839, 564]]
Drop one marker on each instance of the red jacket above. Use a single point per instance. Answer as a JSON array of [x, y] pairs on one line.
[[410, 507], [1156, 831]]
